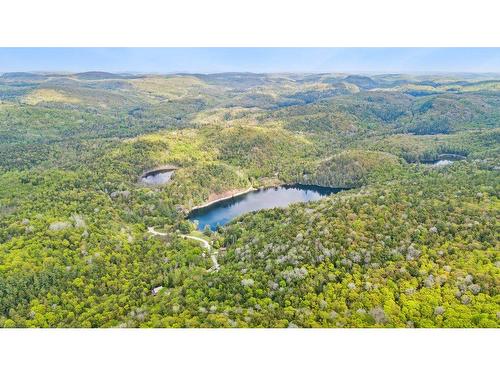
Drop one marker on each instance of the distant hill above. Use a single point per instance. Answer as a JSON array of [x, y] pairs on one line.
[[361, 81], [102, 75], [23, 76]]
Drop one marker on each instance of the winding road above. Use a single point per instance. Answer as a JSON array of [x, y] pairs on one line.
[[204, 243]]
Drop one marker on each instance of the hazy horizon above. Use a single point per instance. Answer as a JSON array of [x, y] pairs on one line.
[[252, 60], [352, 72]]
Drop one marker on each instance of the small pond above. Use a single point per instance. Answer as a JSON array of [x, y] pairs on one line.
[[221, 212], [157, 177], [443, 160], [442, 163]]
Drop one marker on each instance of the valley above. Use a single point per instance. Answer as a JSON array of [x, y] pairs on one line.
[[354, 201]]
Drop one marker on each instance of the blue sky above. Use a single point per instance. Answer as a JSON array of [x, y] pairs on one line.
[[210, 60]]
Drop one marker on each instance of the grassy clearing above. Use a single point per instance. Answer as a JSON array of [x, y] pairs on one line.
[[49, 95]]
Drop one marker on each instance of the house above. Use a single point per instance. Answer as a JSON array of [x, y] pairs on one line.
[[155, 291]]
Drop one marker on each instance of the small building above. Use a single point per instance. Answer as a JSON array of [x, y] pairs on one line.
[[155, 291]]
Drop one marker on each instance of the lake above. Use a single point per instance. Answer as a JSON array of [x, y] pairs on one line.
[[221, 212], [442, 163], [157, 178], [444, 160]]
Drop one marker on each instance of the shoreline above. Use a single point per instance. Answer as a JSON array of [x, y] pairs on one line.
[[160, 169], [208, 203]]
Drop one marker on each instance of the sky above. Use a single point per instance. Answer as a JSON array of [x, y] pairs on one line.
[[213, 60]]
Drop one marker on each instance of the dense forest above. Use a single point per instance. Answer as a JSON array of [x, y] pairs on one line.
[[408, 243]]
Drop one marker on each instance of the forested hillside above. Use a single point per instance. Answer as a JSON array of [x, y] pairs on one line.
[[409, 243]]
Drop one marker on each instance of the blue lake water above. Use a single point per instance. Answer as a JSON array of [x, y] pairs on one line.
[[220, 213]]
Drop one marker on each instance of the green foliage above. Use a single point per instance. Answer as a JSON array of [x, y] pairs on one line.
[[352, 168], [410, 245]]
